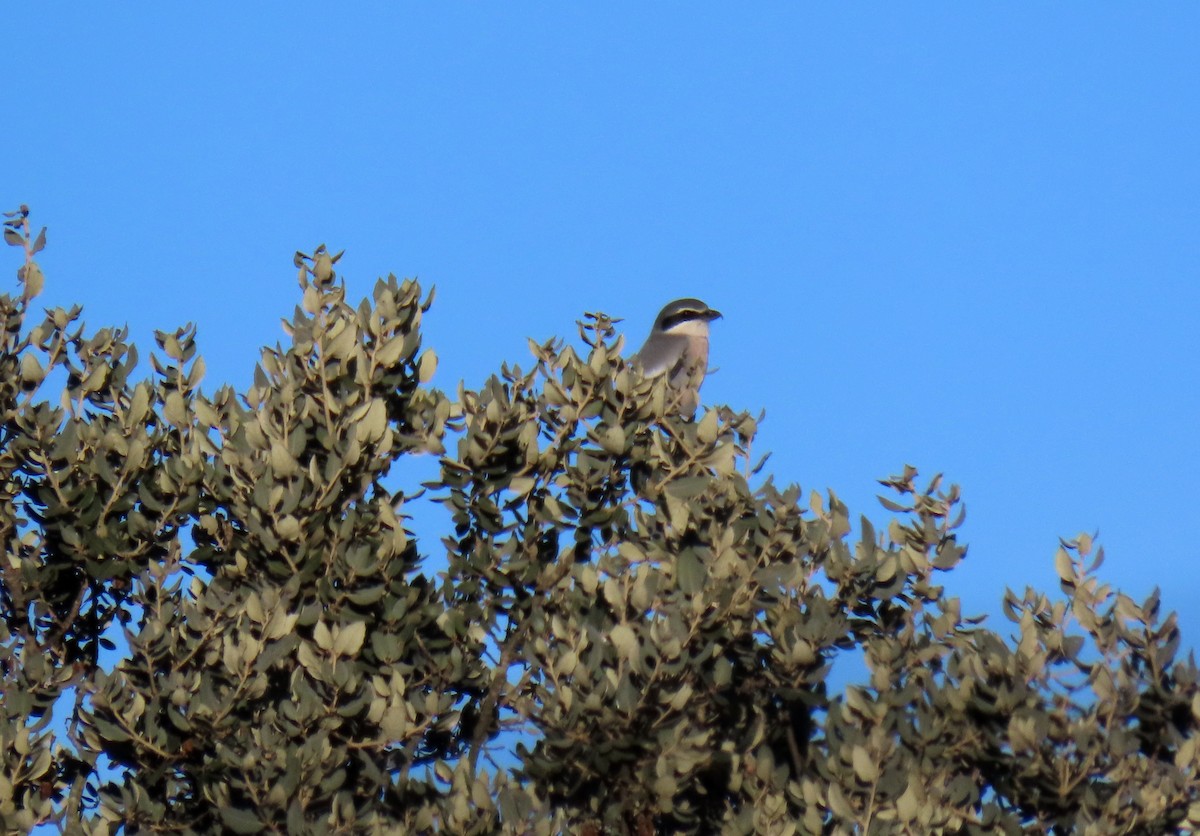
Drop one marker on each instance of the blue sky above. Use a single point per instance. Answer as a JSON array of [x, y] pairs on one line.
[[962, 236]]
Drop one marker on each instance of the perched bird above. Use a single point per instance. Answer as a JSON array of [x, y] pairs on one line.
[[678, 343]]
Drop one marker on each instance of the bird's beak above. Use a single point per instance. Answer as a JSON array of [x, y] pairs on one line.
[[713, 313]]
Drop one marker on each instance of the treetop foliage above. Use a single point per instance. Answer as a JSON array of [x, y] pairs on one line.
[[628, 628]]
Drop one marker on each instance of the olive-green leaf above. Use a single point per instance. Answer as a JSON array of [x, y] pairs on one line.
[[625, 641], [613, 440], [175, 410], [349, 639], [692, 572], [865, 766], [688, 487], [706, 430], [239, 820], [427, 365], [1064, 566], [374, 423], [31, 275]]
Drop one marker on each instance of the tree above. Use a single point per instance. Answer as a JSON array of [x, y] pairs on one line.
[[628, 630]]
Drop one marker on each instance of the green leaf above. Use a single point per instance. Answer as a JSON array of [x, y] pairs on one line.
[[282, 461], [816, 503], [625, 641], [240, 821], [31, 275], [908, 804], [688, 487], [839, 805], [427, 366], [288, 528], [692, 572], [566, 663], [387, 354], [706, 431], [722, 672], [175, 410], [323, 268], [1064, 566], [613, 440], [139, 403], [31, 370], [322, 636], [374, 423], [865, 766], [631, 551], [350, 639]]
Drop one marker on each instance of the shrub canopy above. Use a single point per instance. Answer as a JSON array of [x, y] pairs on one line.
[[628, 628]]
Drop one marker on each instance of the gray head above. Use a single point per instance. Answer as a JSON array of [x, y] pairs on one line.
[[678, 342], [684, 315]]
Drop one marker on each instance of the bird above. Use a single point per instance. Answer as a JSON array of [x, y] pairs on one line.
[[678, 343]]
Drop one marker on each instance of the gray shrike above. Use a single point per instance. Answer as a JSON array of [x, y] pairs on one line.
[[678, 343]]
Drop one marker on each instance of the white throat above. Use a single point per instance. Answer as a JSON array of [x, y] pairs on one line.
[[689, 328]]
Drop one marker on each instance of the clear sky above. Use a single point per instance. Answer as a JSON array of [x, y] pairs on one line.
[[964, 236]]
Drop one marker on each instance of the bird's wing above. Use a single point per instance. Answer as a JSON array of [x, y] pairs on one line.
[[664, 353]]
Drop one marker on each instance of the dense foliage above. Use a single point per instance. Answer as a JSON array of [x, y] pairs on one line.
[[216, 616]]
